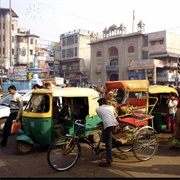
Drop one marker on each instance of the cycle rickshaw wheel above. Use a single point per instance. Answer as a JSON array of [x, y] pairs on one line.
[[145, 144], [63, 153]]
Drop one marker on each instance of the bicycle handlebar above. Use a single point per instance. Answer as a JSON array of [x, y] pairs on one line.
[[79, 123]]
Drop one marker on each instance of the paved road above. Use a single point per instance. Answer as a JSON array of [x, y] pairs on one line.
[[165, 164]]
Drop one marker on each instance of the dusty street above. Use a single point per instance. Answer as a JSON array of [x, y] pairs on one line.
[[165, 164]]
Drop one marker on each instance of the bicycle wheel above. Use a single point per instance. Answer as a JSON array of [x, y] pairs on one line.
[[63, 153], [145, 144]]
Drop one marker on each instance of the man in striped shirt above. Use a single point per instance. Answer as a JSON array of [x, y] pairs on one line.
[[16, 108]]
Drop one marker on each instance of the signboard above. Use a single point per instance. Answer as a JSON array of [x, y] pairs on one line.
[[59, 80]]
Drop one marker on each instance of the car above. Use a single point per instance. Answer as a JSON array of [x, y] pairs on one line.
[[5, 111]]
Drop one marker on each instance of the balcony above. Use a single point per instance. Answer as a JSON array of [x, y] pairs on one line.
[[112, 68]]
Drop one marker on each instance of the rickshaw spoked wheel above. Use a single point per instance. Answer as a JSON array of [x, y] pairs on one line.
[[24, 147]]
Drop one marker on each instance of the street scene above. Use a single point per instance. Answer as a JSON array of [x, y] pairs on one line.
[[89, 89]]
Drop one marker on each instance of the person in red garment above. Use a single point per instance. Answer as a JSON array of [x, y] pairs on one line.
[[172, 103]]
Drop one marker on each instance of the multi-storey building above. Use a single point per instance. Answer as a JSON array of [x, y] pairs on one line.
[[138, 55], [17, 46], [75, 56], [8, 30]]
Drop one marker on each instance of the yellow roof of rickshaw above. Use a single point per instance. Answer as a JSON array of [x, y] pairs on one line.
[[69, 92], [128, 85], [154, 89]]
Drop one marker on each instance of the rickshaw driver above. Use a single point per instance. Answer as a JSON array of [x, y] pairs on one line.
[[109, 119]]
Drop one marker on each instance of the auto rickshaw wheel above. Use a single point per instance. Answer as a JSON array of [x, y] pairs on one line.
[[24, 147], [97, 136]]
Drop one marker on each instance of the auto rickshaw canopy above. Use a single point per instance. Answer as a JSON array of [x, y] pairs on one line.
[[157, 89], [71, 92]]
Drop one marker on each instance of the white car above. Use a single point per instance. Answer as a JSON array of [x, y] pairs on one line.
[[5, 111]]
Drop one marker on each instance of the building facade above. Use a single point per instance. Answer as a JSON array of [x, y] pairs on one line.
[[8, 30], [75, 56], [138, 55]]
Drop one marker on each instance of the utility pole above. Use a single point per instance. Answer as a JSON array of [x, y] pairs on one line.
[[2, 73], [178, 70], [10, 33]]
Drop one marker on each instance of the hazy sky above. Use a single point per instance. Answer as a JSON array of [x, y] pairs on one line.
[[50, 18]]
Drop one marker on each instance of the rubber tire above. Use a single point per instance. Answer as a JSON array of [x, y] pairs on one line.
[[140, 140], [24, 147], [63, 139]]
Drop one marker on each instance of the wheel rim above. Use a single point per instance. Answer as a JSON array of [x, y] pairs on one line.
[[145, 145], [62, 156]]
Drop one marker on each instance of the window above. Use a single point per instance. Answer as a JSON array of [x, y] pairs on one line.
[[114, 62], [98, 54], [161, 41], [130, 49], [12, 39], [23, 52], [12, 51], [113, 52], [70, 52], [99, 80], [75, 39], [63, 67], [31, 52], [70, 40], [3, 25], [152, 43], [0, 37], [0, 50], [64, 42], [3, 50], [63, 53], [75, 51], [145, 55], [145, 41], [31, 41], [3, 37], [99, 66], [75, 66], [12, 27]]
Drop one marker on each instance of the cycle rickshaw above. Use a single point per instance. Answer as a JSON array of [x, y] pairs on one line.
[[139, 137]]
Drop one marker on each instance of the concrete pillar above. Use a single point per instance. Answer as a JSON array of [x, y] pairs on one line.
[[154, 75]]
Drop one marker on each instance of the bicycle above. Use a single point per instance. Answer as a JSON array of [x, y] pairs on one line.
[[65, 151]]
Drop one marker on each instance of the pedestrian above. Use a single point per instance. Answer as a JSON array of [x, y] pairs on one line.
[[176, 133], [36, 86], [16, 108], [172, 103], [108, 115], [47, 85], [101, 90]]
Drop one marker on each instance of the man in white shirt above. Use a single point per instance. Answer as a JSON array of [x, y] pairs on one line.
[[108, 115], [16, 108]]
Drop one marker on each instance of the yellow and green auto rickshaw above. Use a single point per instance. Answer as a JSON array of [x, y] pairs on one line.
[[160, 111], [50, 113]]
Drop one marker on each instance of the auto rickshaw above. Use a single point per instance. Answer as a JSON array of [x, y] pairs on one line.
[[160, 111], [51, 113]]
